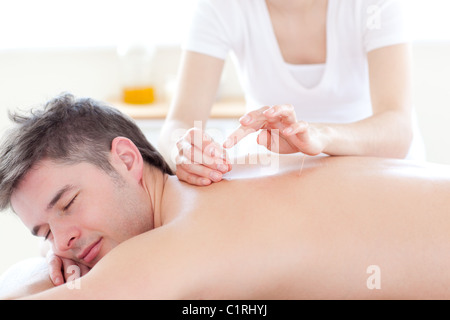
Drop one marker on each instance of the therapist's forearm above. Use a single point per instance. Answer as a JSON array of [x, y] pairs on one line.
[[388, 134]]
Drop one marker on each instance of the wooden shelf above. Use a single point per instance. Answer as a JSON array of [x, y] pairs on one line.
[[226, 109]]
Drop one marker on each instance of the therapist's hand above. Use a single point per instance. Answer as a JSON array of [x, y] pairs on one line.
[[281, 132], [200, 160]]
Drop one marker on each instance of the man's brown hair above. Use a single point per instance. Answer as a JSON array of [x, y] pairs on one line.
[[67, 130]]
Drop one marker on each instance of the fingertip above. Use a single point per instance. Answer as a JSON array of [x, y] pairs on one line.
[[222, 167], [269, 112], [215, 176], [246, 119], [205, 182], [57, 281], [228, 144]]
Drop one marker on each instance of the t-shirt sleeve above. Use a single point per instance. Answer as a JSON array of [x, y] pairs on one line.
[[208, 32], [385, 23]]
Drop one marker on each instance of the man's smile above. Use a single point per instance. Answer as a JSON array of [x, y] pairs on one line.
[[91, 252]]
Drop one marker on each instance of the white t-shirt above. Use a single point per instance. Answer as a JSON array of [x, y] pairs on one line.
[[308, 75], [340, 92]]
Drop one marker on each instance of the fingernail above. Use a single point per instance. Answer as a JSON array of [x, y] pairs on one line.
[[58, 281], [288, 131], [216, 176], [245, 119], [223, 168]]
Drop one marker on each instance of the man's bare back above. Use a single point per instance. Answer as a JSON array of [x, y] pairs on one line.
[[310, 233]]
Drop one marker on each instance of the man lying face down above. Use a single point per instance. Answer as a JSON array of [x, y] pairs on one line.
[[83, 176]]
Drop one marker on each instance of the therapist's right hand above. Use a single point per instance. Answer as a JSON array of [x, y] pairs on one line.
[[200, 160]]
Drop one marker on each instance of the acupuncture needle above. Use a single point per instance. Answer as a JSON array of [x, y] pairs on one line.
[[303, 163]]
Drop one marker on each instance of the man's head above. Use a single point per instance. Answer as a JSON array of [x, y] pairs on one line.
[[72, 171]]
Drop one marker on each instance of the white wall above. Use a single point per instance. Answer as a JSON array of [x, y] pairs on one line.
[[29, 77], [16, 241], [432, 98]]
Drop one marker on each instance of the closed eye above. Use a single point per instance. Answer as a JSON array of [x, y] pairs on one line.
[[70, 203], [65, 209]]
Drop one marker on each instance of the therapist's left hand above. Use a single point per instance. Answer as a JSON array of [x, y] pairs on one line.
[[281, 132]]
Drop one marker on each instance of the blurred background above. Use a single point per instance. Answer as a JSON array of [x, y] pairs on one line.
[[91, 48]]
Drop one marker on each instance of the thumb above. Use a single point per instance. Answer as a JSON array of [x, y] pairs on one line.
[[264, 139]]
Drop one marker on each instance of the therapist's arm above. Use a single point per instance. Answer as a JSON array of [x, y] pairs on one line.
[[387, 133], [198, 83]]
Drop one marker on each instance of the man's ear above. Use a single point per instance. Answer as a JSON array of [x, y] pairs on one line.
[[125, 153]]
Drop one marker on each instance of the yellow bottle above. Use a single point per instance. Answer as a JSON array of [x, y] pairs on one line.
[[139, 95], [136, 74]]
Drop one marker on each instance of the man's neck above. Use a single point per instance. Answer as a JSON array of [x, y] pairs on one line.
[[154, 183]]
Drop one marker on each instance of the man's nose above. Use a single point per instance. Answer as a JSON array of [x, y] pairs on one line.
[[65, 238]]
